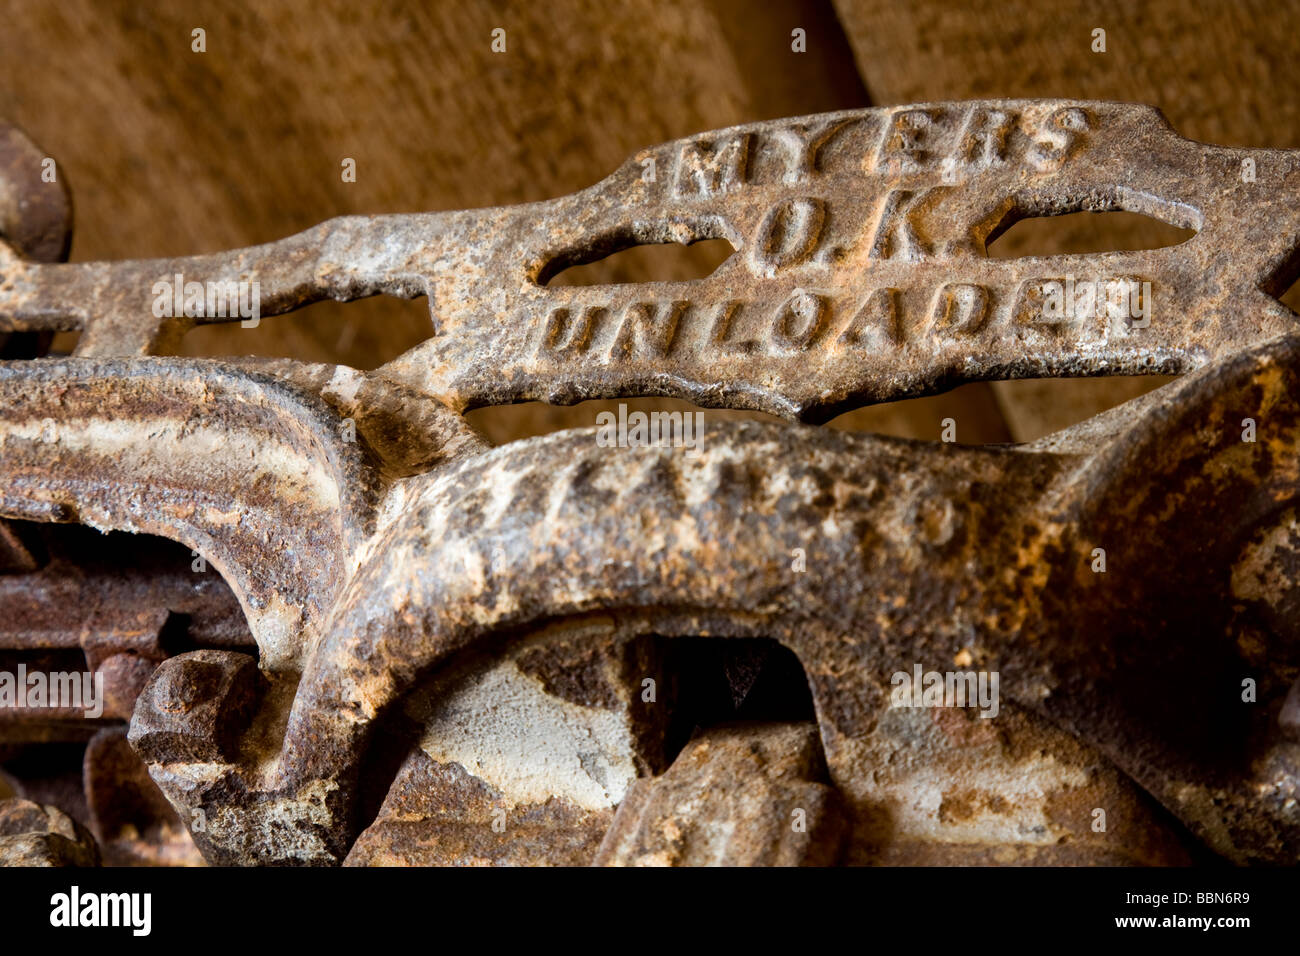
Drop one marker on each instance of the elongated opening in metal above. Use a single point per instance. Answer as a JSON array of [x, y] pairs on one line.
[[506, 423], [626, 259], [364, 334], [1078, 233], [27, 345], [971, 407]]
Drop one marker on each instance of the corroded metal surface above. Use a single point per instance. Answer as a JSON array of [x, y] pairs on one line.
[[859, 273], [33, 835], [473, 629], [694, 815]]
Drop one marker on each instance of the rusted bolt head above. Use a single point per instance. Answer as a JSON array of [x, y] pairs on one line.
[[194, 707], [182, 687]]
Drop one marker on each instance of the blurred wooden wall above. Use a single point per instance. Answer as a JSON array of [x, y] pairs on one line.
[[172, 152]]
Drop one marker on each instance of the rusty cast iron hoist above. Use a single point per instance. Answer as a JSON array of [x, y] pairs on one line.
[[405, 574]]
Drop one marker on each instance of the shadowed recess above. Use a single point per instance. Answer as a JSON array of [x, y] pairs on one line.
[[647, 262], [1078, 233]]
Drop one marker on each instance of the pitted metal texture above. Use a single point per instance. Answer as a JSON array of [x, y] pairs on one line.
[[391, 566]]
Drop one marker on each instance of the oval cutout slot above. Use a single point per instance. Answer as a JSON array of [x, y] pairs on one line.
[[1079, 233], [632, 261]]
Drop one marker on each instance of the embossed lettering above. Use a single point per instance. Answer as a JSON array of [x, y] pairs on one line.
[[1030, 305], [878, 315], [799, 321], [567, 334], [984, 139], [961, 308], [706, 169], [896, 236], [1060, 304], [1057, 137], [803, 143], [788, 234], [904, 148], [647, 329], [722, 334]]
